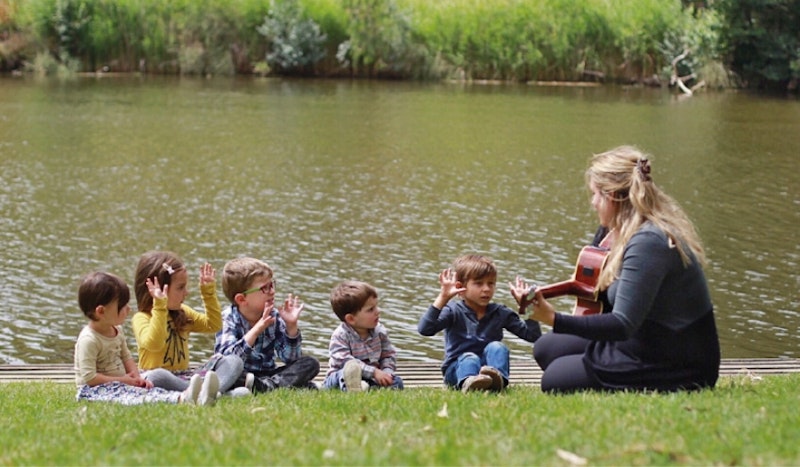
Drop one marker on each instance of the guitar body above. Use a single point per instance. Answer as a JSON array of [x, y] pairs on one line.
[[583, 283]]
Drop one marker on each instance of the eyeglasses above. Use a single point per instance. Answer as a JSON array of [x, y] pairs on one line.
[[266, 288]]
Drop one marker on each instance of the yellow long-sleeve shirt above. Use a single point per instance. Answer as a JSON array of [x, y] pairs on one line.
[[159, 345]]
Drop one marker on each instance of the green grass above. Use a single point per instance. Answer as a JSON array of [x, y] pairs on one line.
[[744, 421]]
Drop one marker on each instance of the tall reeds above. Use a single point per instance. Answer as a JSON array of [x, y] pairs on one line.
[[514, 40]]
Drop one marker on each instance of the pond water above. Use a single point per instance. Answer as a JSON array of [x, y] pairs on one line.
[[385, 182]]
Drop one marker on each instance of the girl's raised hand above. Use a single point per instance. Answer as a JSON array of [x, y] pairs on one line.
[[207, 274], [154, 289]]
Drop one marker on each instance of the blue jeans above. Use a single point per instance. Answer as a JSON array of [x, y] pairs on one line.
[[495, 355], [335, 380]]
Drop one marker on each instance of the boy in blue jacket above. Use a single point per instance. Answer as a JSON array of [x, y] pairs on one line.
[[475, 358]]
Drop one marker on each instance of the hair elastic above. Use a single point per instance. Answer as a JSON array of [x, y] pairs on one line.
[[643, 166]]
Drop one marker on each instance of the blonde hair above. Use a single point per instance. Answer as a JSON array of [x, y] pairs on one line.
[[623, 175]]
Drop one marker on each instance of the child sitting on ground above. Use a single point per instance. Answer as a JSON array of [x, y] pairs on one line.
[[164, 323], [361, 355], [475, 359], [105, 370], [256, 331]]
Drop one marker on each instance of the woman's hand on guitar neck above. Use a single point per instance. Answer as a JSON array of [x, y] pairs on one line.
[[542, 310], [539, 308]]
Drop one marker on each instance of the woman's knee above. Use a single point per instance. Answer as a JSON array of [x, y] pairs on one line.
[[552, 346], [544, 351], [567, 374]]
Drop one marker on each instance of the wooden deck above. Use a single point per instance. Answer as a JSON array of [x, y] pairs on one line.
[[422, 374]]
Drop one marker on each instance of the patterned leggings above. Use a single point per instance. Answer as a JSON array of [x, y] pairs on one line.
[[124, 394]]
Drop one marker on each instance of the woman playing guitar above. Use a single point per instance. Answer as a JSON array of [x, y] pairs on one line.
[[659, 331], [583, 283]]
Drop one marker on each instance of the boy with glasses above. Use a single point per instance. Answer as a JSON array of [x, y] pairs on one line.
[[257, 331]]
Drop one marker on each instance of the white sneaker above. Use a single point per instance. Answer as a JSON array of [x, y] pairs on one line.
[[364, 385], [189, 396], [250, 381], [352, 376], [239, 392], [208, 393]]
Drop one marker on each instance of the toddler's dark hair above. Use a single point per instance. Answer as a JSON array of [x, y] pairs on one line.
[[101, 288]]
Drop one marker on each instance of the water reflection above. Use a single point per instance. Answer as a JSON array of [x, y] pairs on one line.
[[383, 182]]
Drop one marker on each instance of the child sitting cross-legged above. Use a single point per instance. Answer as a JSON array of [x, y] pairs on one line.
[[257, 331], [475, 357], [105, 370], [361, 355]]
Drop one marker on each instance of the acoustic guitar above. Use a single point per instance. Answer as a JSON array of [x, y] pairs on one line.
[[583, 284]]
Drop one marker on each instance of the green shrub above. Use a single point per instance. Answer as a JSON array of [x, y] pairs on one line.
[[296, 44]]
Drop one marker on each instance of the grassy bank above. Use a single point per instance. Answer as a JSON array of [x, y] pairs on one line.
[[610, 40], [744, 421]]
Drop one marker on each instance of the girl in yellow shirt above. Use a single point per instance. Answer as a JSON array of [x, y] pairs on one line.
[[163, 324]]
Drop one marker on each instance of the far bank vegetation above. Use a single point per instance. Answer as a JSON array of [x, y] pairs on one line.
[[653, 42]]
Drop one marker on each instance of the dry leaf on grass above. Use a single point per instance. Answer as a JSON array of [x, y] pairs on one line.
[[570, 457]]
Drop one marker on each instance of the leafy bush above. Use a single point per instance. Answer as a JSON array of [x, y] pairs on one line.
[[295, 44]]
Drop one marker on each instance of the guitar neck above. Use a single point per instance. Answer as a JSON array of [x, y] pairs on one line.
[[569, 287]]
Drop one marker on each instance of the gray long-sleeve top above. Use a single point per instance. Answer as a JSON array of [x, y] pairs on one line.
[[653, 285]]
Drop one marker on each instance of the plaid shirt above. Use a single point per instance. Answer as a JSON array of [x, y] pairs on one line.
[[260, 358], [376, 351]]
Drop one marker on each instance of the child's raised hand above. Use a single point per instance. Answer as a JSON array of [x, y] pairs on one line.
[[290, 311], [207, 274], [449, 284], [519, 289], [154, 289], [266, 319]]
